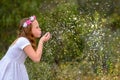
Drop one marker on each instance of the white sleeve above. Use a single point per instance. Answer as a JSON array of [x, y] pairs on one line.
[[23, 42]]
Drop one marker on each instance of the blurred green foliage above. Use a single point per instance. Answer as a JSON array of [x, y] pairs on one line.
[[85, 41]]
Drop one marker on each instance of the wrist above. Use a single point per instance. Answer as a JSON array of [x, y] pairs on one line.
[[41, 42]]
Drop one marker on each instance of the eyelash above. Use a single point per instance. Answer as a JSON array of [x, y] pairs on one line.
[[37, 27]]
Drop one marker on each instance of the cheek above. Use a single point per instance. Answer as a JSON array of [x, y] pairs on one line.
[[36, 33]]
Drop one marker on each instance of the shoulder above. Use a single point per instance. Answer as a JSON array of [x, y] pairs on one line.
[[22, 42], [23, 39]]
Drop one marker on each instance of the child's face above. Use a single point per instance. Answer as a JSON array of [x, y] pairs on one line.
[[36, 31]]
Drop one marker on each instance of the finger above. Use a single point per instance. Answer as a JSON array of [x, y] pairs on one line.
[[47, 34]]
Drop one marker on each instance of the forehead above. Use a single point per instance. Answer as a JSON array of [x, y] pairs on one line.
[[35, 23]]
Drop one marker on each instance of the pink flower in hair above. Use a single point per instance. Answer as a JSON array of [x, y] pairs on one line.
[[32, 18], [29, 21]]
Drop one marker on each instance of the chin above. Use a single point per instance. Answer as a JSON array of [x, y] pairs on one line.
[[38, 36]]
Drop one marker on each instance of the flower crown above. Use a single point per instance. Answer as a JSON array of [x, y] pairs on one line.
[[29, 21]]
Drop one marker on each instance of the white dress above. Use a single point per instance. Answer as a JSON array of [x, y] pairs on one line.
[[12, 64]]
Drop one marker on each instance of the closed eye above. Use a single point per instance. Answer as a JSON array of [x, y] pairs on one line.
[[37, 27]]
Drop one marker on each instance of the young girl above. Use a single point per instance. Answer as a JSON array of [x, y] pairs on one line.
[[12, 64]]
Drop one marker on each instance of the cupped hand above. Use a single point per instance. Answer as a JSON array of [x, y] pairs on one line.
[[45, 37]]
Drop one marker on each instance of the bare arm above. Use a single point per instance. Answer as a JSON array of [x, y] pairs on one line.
[[36, 55]]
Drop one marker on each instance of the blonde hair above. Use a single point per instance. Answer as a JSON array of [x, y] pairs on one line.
[[27, 32]]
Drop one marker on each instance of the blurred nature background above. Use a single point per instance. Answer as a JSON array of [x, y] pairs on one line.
[[85, 43]]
